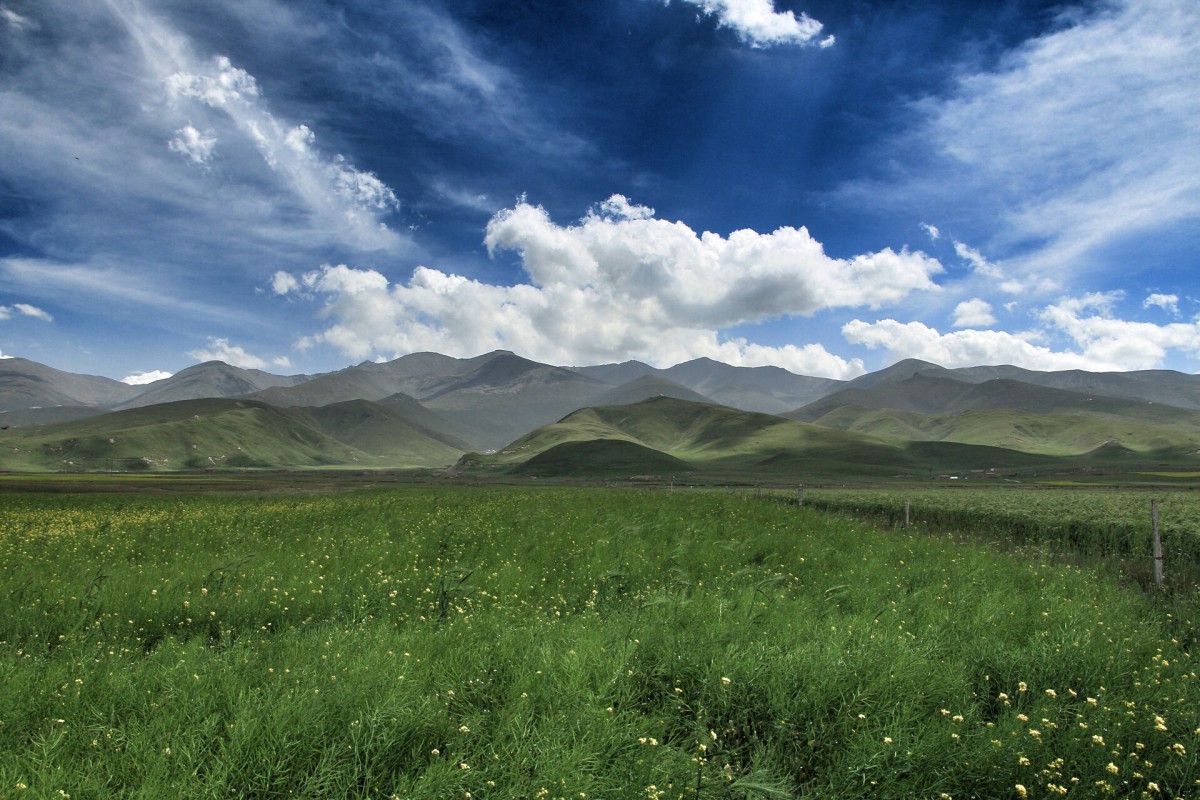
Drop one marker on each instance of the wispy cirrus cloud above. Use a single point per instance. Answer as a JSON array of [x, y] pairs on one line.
[[15, 21], [26, 310], [148, 105], [1045, 158], [106, 289], [350, 201]]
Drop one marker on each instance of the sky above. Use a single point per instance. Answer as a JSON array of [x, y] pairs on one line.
[[828, 186]]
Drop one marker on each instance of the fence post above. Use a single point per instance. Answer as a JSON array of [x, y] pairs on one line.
[[800, 494], [907, 505], [1158, 550]]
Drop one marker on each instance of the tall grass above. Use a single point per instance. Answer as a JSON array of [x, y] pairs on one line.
[[1102, 524], [431, 643]]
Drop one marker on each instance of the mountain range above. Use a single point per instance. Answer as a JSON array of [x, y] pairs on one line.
[[428, 410]]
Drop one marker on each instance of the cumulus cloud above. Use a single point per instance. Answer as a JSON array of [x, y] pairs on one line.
[[1167, 302], [974, 313], [932, 231], [234, 355], [758, 24], [618, 284], [143, 378], [666, 271], [1098, 341], [1124, 344], [25, 310], [960, 348]]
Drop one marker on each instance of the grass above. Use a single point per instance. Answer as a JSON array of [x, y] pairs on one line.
[[1097, 523], [506, 642]]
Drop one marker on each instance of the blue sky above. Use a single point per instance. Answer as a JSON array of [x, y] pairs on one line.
[[826, 186]]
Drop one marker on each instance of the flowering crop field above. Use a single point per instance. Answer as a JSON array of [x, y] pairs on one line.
[[565, 643]]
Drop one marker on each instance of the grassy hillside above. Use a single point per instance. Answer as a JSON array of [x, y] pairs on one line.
[[224, 433], [601, 457], [1061, 434], [720, 440], [935, 394]]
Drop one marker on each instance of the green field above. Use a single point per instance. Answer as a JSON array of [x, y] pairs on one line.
[[1100, 523], [504, 642]]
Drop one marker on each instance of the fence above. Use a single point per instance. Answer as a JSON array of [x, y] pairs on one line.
[[1153, 546]]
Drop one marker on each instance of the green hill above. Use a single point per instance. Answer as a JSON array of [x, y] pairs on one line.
[[214, 433], [1059, 434], [601, 457], [724, 441]]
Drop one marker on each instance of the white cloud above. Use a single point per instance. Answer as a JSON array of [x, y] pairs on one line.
[[978, 262], [100, 288], [26, 310], [958, 349], [1167, 302], [1125, 344], [460, 196], [619, 284], [352, 201], [758, 23], [668, 272], [143, 378], [1098, 341], [33, 311], [234, 355], [284, 282], [996, 274], [1084, 136], [619, 207], [228, 86], [931, 230], [974, 313], [16, 21], [192, 143]]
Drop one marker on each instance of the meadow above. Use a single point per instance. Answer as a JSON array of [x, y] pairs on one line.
[[1110, 524], [505, 642]]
